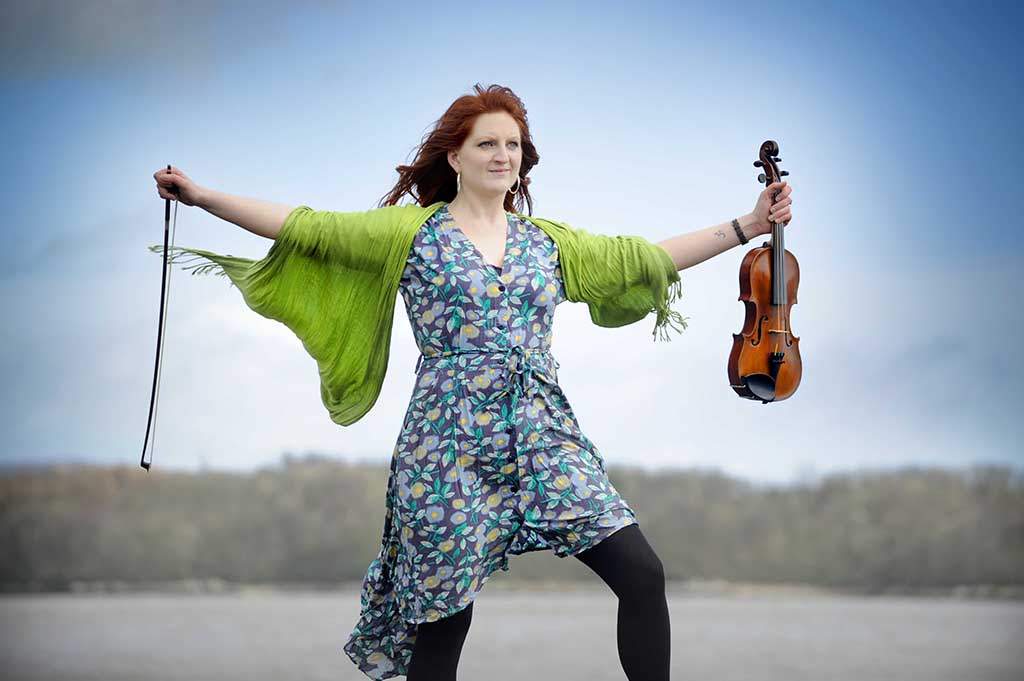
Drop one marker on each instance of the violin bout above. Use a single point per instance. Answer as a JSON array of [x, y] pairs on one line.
[[765, 360]]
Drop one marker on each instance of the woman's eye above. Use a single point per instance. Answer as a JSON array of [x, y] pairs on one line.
[[489, 142]]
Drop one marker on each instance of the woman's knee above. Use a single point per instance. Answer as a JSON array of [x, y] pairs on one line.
[[627, 563], [650, 574]]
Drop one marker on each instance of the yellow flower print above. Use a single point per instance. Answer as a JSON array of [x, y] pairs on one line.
[[459, 503], [438, 280], [494, 500], [482, 381], [508, 468], [561, 482], [432, 615], [431, 581], [470, 330], [493, 534], [434, 414], [417, 490], [376, 657], [428, 317], [420, 452], [484, 418], [447, 545]]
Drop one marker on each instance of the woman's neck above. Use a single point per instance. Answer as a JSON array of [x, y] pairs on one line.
[[477, 211]]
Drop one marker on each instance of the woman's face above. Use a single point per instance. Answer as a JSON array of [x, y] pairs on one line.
[[493, 144]]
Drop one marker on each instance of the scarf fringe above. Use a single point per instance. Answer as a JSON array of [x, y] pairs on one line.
[[667, 317], [179, 255]]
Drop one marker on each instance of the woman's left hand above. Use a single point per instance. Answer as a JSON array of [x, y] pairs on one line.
[[765, 212]]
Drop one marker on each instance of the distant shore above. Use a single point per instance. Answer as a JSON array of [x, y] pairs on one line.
[[674, 588]]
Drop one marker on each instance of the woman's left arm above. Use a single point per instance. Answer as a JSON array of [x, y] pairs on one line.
[[695, 247]]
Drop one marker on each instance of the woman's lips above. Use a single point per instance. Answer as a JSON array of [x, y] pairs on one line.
[[499, 171]]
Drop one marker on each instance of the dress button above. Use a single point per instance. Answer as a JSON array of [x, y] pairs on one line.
[[501, 287]]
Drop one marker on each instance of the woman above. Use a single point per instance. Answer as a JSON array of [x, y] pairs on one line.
[[490, 460]]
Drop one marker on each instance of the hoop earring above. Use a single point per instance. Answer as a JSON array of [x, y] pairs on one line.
[[513, 193]]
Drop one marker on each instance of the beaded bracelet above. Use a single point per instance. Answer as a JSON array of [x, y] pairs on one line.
[[739, 232]]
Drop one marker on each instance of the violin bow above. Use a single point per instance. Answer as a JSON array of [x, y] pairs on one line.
[[165, 286]]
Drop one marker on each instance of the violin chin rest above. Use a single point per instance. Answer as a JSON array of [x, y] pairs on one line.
[[762, 386]]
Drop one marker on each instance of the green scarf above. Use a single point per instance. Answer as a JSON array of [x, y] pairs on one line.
[[332, 278]]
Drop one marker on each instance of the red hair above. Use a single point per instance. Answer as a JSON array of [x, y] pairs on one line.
[[431, 178]]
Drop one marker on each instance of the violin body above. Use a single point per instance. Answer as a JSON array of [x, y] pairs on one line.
[[764, 363]]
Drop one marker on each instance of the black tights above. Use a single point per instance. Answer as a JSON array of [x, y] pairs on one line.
[[628, 565]]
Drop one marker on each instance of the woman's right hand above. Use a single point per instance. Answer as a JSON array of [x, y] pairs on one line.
[[188, 192]]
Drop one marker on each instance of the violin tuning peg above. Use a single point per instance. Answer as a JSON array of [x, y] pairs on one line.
[[776, 159], [757, 164], [761, 178], [783, 173]]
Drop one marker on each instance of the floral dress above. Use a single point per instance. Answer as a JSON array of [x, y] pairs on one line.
[[490, 460]]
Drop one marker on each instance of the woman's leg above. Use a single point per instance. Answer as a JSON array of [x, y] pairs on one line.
[[435, 655], [628, 564]]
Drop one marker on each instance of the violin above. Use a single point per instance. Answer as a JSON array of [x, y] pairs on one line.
[[765, 360]]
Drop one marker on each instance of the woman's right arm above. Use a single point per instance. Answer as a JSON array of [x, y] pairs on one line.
[[264, 218], [259, 217]]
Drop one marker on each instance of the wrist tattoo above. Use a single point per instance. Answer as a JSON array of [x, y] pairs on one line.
[[720, 234]]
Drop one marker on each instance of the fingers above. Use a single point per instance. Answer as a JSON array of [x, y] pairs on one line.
[[164, 173], [780, 212], [169, 182]]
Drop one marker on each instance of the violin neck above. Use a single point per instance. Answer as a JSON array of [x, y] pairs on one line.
[[778, 266]]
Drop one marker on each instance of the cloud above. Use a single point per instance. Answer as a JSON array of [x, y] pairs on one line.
[[45, 39]]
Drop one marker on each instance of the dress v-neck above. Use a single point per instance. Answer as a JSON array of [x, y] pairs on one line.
[[479, 254]]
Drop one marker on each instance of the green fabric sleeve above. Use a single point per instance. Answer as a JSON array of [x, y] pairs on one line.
[[621, 278], [327, 278]]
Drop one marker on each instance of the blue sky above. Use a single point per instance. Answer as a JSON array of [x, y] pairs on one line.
[[898, 123]]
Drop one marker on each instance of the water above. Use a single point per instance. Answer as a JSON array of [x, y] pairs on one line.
[[566, 635]]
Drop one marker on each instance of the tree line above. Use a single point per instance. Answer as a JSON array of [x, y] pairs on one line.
[[316, 519]]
